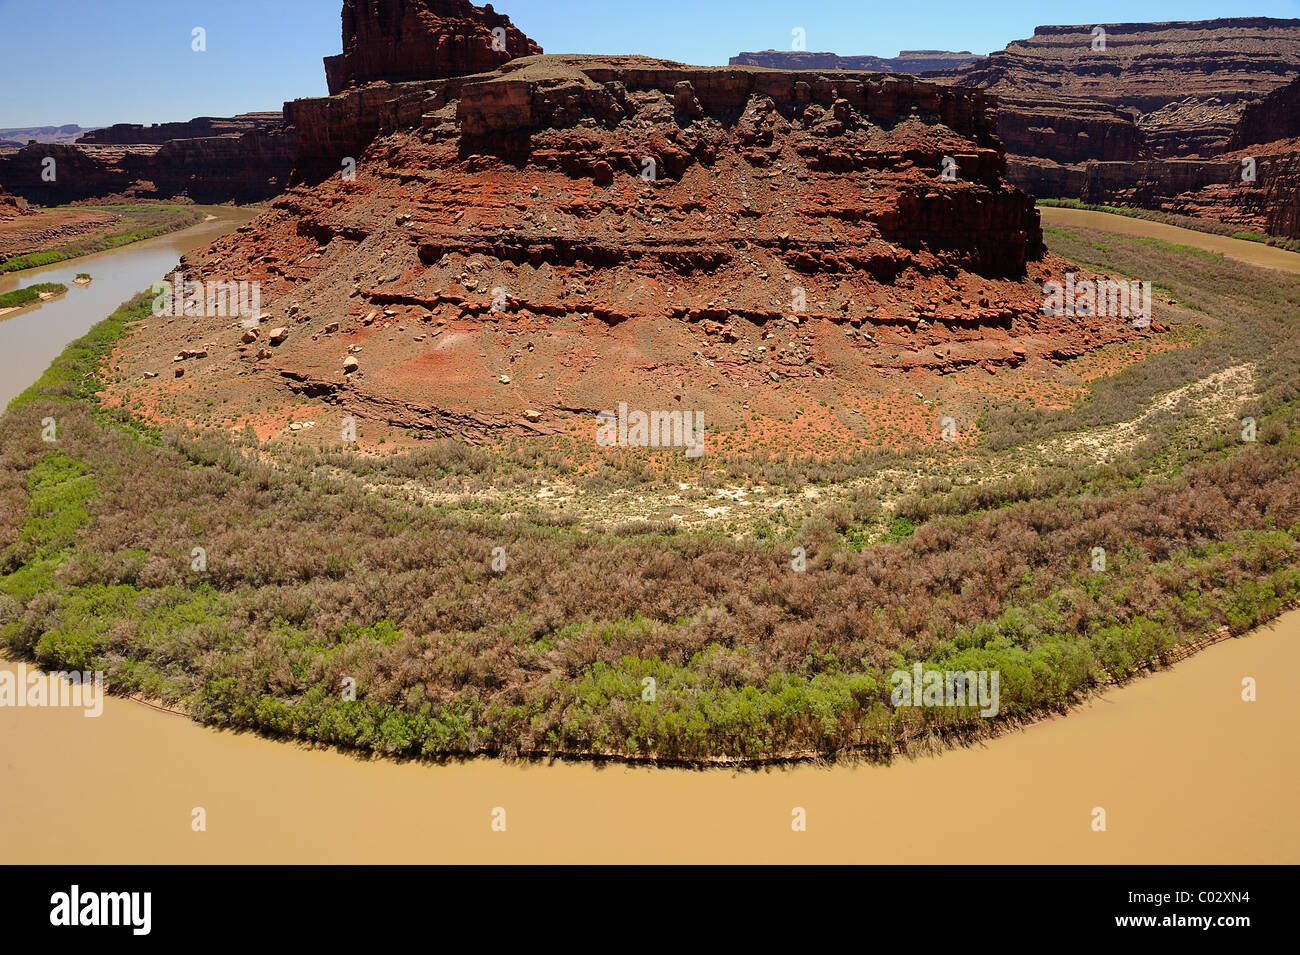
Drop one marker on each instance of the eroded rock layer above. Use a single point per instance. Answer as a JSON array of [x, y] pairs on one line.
[[522, 248], [1276, 116]]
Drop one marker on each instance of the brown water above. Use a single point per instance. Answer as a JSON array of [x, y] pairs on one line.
[[1254, 253], [32, 338], [1186, 771]]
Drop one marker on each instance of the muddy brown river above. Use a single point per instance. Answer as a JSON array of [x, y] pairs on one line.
[[1185, 770]]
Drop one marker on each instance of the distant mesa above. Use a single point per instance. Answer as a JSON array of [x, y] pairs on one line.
[[197, 128], [404, 40], [907, 61], [19, 136]]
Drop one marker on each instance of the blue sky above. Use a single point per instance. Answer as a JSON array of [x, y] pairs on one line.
[[96, 62]]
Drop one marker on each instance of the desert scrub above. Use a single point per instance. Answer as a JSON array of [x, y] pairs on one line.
[[313, 575]]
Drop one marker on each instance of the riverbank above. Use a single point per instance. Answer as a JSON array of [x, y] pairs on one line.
[[1240, 250], [1187, 772], [34, 337], [60, 233], [1154, 752], [1193, 223]]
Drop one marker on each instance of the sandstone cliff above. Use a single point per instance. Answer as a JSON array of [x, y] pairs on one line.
[[1068, 131]]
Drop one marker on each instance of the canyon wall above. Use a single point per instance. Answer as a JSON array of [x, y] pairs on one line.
[[247, 167], [1154, 115], [1276, 116], [1186, 83], [1206, 188], [1068, 131]]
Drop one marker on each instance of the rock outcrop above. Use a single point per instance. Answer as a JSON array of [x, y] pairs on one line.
[[908, 61], [11, 207], [517, 250], [402, 40]]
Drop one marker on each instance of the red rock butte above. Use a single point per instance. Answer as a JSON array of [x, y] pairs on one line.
[[399, 40], [567, 232]]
